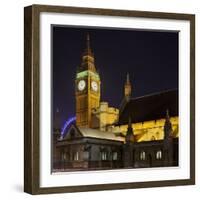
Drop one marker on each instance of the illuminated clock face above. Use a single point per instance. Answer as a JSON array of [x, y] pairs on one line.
[[81, 85], [94, 85]]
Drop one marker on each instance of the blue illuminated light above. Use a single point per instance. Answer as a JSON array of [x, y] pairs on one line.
[[67, 124]]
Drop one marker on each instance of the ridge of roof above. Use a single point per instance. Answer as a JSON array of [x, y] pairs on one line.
[[155, 93]]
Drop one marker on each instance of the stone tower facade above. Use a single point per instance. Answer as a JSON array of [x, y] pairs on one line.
[[87, 88]]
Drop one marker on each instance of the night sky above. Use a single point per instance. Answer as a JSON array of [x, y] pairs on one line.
[[150, 57]]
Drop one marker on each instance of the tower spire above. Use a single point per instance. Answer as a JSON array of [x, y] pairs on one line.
[[127, 87], [127, 78], [57, 120], [129, 133], [129, 123], [87, 57], [88, 50], [88, 41], [168, 126], [167, 115]]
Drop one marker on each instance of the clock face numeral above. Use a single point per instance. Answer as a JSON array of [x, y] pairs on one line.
[[81, 85], [94, 86]]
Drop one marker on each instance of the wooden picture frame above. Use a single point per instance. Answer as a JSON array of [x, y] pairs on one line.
[[32, 105]]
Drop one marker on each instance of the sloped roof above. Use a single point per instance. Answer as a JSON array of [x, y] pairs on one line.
[[150, 107], [94, 133]]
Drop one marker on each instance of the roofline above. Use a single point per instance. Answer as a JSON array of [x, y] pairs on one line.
[[155, 93], [147, 95], [75, 126], [87, 137], [83, 136], [109, 140]]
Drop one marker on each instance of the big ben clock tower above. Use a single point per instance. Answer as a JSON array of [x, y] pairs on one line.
[[87, 89]]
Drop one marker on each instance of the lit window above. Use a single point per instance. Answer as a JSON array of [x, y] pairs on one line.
[[159, 155], [76, 156], [142, 155], [114, 155], [103, 155]]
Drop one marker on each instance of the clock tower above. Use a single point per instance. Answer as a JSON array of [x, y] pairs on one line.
[[87, 88]]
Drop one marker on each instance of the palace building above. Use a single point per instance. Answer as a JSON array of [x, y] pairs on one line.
[[142, 132]]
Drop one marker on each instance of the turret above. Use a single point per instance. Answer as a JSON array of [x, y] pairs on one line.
[[168, 141], [129, 133], [168, 126], [127, 87], [57, 121]]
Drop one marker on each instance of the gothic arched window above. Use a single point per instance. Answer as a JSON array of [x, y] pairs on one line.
[[159, 155], [104, 155], [142, 155]]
